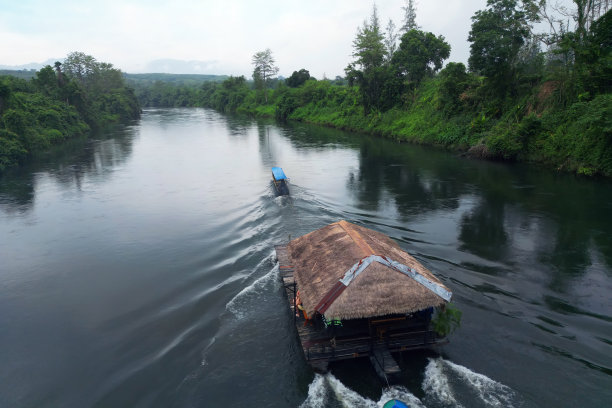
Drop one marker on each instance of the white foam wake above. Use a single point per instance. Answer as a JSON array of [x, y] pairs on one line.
[[491, 392], [241, 303], [326, 390], [451, 385], [445, 384], [317, 393], [346, 396], [436, 386]]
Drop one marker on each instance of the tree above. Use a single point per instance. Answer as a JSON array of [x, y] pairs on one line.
[[263, 69], [80, 66], [420, 54], [369, 47], [497, 35], [46, 81], [60, 74], [96, 89], [390, 40], [584, 14], [409, 17], [298, 78], [368, 69], [454, 81], [5, 93], [593, 66]]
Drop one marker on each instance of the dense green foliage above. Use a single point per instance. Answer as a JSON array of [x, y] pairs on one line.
[[447, 320], [298, 78], [22, 73], [515, 103], [59, 103], [497, 35]]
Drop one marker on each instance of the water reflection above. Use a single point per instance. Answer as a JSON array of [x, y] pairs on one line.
[[156, 260], [267, 152], [511, 207], [68, 165], [482, 230], [238, 125], [417, 183]]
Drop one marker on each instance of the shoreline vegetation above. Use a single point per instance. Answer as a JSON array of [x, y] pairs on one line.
[[59, 103], [513, 102]]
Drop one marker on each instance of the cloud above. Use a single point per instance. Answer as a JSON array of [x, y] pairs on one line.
[[131, 34]]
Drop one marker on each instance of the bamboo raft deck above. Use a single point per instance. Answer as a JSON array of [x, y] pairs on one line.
[[322, 345]]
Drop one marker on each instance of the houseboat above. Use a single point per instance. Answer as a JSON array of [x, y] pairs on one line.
[[354, 292]]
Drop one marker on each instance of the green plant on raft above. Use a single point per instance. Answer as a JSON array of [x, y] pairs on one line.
[[447, 320]]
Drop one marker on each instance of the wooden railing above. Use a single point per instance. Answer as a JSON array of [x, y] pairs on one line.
[[344, 348]]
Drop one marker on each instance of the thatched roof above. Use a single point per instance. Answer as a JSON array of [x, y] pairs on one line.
[[322, 257]]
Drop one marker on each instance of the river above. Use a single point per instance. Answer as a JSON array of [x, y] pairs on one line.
[[137, 269]]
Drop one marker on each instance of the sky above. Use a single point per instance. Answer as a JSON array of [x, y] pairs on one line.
[[217, 37]]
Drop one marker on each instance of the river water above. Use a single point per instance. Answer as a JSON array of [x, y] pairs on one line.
[[137, 270]]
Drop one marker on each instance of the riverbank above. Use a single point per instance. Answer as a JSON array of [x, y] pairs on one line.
[[58, 104], [534, 129]]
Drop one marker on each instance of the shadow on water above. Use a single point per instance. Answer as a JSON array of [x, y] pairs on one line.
[[68, 165]]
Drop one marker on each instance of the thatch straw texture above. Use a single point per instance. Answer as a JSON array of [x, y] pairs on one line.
[[322, 257]]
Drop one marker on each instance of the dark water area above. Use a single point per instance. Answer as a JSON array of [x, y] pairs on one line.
[[137, 270]]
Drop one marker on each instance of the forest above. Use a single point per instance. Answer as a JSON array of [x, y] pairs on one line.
[[58, 103], [524, 96]]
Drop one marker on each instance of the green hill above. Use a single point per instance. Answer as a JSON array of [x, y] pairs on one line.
[[174, 79]]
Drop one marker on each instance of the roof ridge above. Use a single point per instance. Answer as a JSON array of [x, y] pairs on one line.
[[356, 237]]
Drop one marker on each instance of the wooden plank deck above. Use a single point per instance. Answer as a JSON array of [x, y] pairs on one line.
[[384, 363], [322, 345]]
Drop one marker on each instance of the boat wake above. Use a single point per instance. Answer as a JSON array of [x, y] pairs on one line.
[[251, 296], [326, 390], [445, 384], [448, 384]]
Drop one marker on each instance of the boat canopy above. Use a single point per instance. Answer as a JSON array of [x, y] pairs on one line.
[[278, 173]]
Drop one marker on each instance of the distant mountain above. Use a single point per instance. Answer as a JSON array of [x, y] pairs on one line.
[[31, 66], [174, 66]]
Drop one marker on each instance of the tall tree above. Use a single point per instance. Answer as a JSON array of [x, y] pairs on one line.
[[496, 37], [368, 70], [264, 69], [368, 46], [420, 54], [390, 39], [58, 71], [409, 17], [583, 14], [80, 66]]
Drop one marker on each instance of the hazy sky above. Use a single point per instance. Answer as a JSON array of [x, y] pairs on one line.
[[223, 34]]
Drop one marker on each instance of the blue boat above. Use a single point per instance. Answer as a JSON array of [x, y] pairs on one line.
[[395, 404], [280, 181]]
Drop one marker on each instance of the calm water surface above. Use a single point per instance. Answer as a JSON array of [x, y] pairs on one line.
[[137, 270]]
